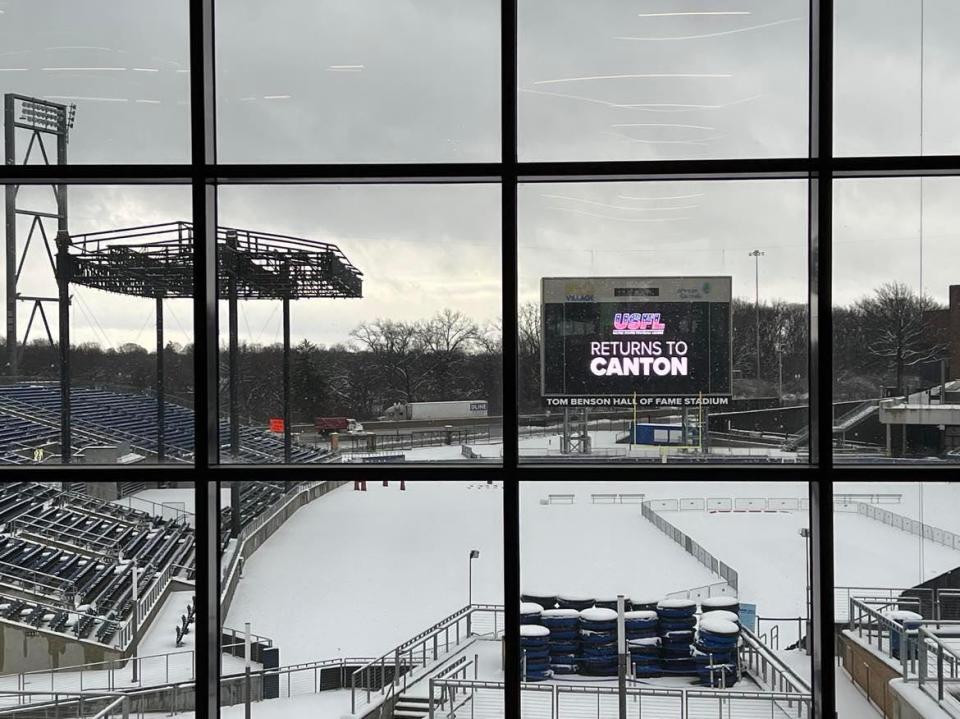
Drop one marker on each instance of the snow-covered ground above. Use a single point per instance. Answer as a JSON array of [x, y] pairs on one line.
[[356, 573]]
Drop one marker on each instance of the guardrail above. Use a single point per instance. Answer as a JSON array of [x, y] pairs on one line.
[[110, 675], [170, 699], [769, 669], [409, 660], [484, 700], [843, 595], [706, 590], [912, 526], [945, 661], [721, 569], [617, 498]]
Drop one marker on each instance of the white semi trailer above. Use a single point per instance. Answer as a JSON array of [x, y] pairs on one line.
[[458, 409]]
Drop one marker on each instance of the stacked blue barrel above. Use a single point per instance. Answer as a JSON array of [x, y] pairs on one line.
[[598, 642], [715, 650], [643, 643], [676, 622], [574, 601], [530, 613], [547, 601], [564, 626], [535, 650]]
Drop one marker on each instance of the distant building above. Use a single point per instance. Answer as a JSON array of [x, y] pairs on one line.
[[946, 323]]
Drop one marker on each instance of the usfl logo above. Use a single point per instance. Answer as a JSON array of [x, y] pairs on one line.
[[638, 323]]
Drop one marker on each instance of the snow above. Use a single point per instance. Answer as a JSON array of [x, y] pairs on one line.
[[392, 562], [640, 614], [723, 614], [719, 602], [560, 613], [717, 625], [533, 630], [902, 616], [530, 608], [598, 614], [151, 501], [676, 603], [161, 636]]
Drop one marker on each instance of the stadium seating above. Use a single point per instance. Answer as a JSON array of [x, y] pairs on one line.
[[73, 554], [30, 418], [255, 497]]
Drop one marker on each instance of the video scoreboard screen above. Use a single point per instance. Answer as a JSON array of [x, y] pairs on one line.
[[665, 340]]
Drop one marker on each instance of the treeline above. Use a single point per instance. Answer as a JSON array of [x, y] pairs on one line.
[[884, 339]]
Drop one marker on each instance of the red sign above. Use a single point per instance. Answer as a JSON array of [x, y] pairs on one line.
[[276, 425]]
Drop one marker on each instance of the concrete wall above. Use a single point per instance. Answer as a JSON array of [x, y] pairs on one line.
[[24, 650], [870, 672]]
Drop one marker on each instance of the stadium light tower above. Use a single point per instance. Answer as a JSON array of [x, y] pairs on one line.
[[756, 255], [474, 554]]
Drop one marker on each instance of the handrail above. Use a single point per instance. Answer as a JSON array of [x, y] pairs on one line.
[[752, 647]]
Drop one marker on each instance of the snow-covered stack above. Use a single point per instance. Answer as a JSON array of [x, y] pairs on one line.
[[535, 647], [645, 603], [530, 613], [910, 621], [715, 651], [598, 642], [564, 626], [720, 604], [676, 630], [643, 642], [547, 601], [574, 601]]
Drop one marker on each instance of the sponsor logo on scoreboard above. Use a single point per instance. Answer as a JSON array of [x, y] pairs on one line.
[[638, 323]]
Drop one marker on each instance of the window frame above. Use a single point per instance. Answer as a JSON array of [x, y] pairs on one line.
[[204, 175]]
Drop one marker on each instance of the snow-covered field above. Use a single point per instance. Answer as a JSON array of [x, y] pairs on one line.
[[356, 573]]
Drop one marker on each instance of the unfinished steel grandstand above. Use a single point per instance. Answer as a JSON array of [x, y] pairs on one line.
[[81, 578]]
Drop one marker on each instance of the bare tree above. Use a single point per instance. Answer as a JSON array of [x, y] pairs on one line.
[[896, 331]]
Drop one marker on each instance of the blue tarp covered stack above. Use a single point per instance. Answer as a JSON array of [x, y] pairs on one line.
[[530, 613], [535, 648], [598, 642], [564, 626], [643, 642], [677, 620], [715, 651]]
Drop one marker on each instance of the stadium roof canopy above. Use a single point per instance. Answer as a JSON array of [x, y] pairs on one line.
[[157, 261]]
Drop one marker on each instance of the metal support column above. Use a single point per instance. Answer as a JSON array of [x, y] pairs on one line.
[[160, 379], [10, 201], [287, 437], [233, 355], [63, 288]]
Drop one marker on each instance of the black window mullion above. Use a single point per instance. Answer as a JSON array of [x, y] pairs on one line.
[[511, 488], [203, 157]]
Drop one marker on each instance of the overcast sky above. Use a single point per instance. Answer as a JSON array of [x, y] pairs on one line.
[[366, 80]]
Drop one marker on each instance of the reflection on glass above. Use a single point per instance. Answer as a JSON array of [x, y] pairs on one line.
[[626, 80], [359, 81], [365, 326], [372, 621], [898, 65], [122, 68], [896, 565], [663, 321], [896, 321], [94, 276], [704, 607]]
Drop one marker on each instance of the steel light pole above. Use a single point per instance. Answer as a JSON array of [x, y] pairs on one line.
[[474, 554], [805, 533], [756, 255]]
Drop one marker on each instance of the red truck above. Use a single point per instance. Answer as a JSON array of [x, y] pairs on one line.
[[327, 425]]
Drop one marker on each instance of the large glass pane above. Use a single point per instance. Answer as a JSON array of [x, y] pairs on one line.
[[663, 321], [120, 302], [374, 623], [622, 80], [96, 587], [897, 558], [896, 63], [896, 318], [712, 620], [118, 73], [359, 81], [391, 300]]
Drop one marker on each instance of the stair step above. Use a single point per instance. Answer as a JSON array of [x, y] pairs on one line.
[[412, 713], [410, 699]]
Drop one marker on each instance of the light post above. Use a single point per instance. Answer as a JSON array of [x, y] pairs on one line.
[[779, 348], [133, 621], [756, 255], [474, 554], [805, 533]]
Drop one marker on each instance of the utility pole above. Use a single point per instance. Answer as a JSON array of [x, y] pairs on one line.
[[756, 255]]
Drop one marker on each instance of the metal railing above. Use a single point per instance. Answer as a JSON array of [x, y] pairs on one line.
[[944, 661], [409, 661], [169, 699], [912, 526], [481, 699], [770, 671], [721, 569], [843, 595], [110, 675], [288, 681], [704, 591]]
